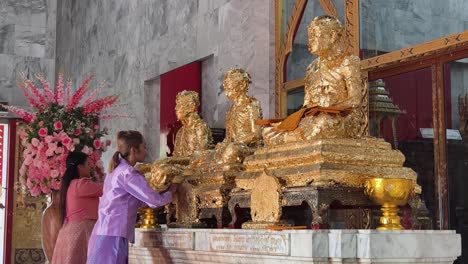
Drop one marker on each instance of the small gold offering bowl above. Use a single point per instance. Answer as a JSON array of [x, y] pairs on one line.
[[389, 193]]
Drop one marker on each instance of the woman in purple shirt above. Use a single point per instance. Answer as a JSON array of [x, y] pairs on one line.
[[125, 190]]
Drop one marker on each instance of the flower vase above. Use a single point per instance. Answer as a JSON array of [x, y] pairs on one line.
[[51, 224]]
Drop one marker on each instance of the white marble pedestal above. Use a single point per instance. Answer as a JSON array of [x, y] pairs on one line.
[[295, 246]]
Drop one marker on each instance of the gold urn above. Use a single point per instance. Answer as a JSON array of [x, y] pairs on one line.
[[148, 219], [389, 193]]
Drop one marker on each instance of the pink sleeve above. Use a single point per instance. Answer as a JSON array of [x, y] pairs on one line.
[[88, 188], [137, 186]]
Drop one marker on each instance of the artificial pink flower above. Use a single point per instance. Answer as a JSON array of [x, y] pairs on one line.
[[67, 142], [59, 150], [35, 190], [59, 93], [54, 173], [44, 156], [97, 144], [43, 132], [77, 132], [35, 142], [45, 189], [58, 125], [86, 150], [49, 139]]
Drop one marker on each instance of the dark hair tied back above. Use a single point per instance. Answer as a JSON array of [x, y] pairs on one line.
[[74, 159]]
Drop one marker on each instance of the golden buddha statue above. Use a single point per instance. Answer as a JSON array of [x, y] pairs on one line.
[[334, 91], [242, 134], [194, 135], [213, 171], [241, 116], [321, 153]]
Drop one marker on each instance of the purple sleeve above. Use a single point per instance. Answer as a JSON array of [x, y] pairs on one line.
[[136, 185]]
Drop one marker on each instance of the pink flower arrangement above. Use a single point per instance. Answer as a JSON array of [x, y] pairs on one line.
[[60, 124]]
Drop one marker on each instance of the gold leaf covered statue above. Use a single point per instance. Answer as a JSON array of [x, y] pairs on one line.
[[194, 135], [213, 172], [321, 153], [334, 92], [241, 131], [243, 135]]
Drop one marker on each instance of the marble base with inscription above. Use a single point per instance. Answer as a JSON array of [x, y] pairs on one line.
[[293, 246]]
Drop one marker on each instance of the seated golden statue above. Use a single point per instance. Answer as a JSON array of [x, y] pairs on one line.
[[242, 134], [194, 135], [334, 92]]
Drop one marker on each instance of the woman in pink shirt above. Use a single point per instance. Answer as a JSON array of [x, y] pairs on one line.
[[79, 200]]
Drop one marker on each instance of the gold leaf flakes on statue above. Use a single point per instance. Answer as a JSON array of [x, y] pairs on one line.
[[194, 135]]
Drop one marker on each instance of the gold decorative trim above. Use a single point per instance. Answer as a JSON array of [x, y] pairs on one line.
[[423, 49]]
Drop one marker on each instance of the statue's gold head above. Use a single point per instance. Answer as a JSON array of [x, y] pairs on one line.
[[187, 102], [236, 82], [323, 33]]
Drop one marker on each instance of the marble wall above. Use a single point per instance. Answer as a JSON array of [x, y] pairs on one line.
[[392, 25], [130, 42], [27, 43]]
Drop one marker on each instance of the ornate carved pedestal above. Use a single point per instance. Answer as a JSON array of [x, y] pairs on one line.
[[317, 198], [212, 187], [319, 172]]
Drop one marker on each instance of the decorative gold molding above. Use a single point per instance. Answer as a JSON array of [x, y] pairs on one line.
[[412, 52], [352, 25]]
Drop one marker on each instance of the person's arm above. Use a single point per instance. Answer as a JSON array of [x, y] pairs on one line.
[[88, 188], [138, 187]]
